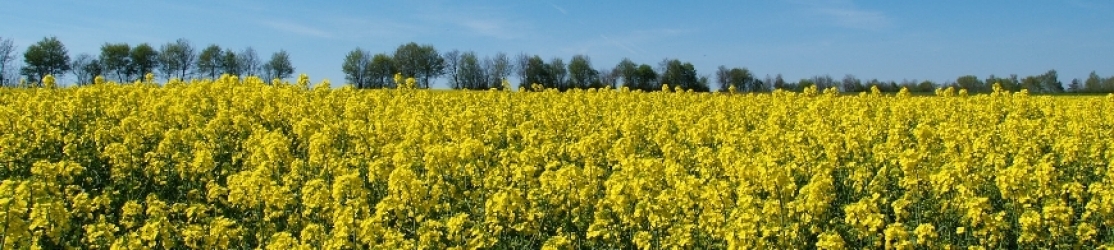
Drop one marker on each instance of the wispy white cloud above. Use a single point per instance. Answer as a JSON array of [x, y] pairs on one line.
[[490, 27], [627, 41], [484, 21], [562, 10], [296, 28], [658, 33], [856, 18], [618, 44], [366, 27], [844, 13]]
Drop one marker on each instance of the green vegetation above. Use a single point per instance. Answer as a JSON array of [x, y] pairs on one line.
[[468, 70]]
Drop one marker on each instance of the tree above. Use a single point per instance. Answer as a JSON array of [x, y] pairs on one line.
[[747, 79], [144, 59], [723, 79], [11, 75], [209, 62], [1093, 83], [1050, 82], [1044, 83], [678, 74], [1108, 84], [558, 74], [850, 83], [1010, 84], [1032, 84], [535, 71], [452, 68], [581, 73], [915, 86], [419, 61], [779, 83], [925, 86], [498, 68], [891, 87], [279, 66], [116, 59], [471, 74], [7, 55], [230, 63], [740, 78], [356, 69], [627, 70], [823, 82], [522, 64], [971, 83], [768, 83], [608, 78], [85, 68], [176, 59], [46, 57], [645, 78], [763, 85], [1076, 86], [381, 71], [248, 62], [805, 83], [882, 86]]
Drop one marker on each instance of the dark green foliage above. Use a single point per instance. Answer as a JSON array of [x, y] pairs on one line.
[[46, 57]]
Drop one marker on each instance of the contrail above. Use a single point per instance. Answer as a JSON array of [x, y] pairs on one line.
[[562, 10], [621, 45]]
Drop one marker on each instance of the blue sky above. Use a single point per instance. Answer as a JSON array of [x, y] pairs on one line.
[[887, 40]]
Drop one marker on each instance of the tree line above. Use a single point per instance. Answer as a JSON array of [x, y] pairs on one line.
[[467, 70], [126, 63]]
